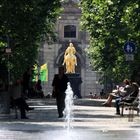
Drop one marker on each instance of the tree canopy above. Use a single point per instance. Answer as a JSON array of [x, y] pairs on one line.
[[23, 25], [111, 24]]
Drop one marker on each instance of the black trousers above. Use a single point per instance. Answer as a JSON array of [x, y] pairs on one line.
[[22, 105], [117, 103], [60, 100]]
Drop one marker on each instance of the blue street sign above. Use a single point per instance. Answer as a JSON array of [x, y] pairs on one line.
[[129, 47]]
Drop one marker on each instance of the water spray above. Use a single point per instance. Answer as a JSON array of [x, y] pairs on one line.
[[68, 106]]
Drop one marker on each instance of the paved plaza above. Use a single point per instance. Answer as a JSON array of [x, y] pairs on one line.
[[91, 121]]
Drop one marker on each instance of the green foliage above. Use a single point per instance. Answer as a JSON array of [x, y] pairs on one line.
[[24, 24], [110, 24]]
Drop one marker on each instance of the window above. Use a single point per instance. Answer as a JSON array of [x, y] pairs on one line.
[[69, 31]]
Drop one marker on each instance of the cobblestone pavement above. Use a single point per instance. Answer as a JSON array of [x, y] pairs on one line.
[[91, 121]]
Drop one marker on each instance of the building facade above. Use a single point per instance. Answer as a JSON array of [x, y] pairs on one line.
[[68, 30]]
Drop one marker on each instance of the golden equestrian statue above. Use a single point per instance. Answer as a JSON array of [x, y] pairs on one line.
[[70, 59]]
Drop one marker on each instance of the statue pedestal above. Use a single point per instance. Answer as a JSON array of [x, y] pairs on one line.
[[75, 81]]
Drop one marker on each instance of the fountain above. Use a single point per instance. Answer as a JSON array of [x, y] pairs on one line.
[[68, 106]]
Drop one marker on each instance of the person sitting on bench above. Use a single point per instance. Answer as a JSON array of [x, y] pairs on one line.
[[19, 100], [119, 92], [128, 99]]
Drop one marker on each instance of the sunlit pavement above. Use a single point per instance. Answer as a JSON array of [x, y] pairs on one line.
[[91, 121]]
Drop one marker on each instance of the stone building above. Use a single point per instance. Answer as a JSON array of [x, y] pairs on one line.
[[68, 30]]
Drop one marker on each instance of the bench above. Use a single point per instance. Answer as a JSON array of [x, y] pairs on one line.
[[134, 106], [131, 103]]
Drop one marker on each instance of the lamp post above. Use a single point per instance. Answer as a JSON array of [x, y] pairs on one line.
[[8, 52], [6, 96]]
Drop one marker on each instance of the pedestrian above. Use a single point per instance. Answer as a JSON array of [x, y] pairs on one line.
[[59, 84], [102, 94], [19, 100], [91, 95], [38, 89], [26, 82]]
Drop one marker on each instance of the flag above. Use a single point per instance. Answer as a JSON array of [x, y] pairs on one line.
[[44, 73], [35, 73]]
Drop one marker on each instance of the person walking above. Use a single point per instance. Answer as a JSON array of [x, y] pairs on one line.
[[59, 84], [26, 82], [38, 89]]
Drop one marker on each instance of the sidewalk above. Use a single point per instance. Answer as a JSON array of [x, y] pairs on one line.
[[91, 121]]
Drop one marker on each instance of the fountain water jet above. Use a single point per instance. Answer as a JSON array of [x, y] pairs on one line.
[[68, 111]]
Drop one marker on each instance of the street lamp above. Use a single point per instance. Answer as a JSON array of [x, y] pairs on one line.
[[8, 52]]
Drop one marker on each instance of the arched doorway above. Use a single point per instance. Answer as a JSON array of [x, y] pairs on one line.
[[79, 55]]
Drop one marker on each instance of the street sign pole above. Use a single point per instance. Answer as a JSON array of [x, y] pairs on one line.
[[129, 49]]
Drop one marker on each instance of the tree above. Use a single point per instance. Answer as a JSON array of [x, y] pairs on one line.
[[110, 24], [25, 24]]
